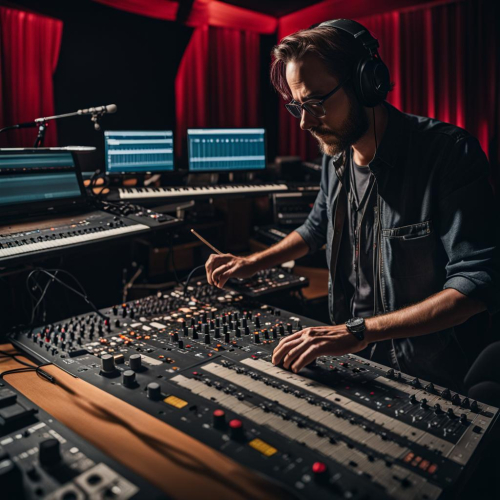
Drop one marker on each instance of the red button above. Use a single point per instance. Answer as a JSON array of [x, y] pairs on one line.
[[218, 413], [319, 468]]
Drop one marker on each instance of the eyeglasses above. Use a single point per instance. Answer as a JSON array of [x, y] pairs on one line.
[[312, 106]]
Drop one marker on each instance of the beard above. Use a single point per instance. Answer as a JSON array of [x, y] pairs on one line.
[[353, 129]]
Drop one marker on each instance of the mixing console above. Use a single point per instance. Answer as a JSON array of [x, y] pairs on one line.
[[268, 281], [40, 458], [199, 359]]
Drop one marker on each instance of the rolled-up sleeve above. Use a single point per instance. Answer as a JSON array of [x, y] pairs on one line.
[[314, 229], [468, 224]]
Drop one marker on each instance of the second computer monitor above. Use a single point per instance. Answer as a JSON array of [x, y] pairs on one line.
[[226, 150], [139, 152]]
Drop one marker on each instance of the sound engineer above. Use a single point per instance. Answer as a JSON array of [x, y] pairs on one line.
[[404, 208]]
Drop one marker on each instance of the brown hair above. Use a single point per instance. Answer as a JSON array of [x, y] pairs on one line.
[[338, 50]]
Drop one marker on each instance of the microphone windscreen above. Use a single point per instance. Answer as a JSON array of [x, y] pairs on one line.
[[111, 108]]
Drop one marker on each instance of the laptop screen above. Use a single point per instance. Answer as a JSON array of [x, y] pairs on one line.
[[35, 177]]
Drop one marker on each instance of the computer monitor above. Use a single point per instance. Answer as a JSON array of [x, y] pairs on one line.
[[139, 151], [38, 180], [226, 150]]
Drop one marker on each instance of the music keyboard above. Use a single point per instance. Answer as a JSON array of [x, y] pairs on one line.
[[198, 191], [23, 246]]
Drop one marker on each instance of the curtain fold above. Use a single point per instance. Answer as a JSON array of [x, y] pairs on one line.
[[217, 84], [203, 12], [444, 62], [29, 50]]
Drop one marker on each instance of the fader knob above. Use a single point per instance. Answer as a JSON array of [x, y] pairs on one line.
[[128, 378], [135, 362], [430, 388], [217, 332], [257, 321], [175, 337], [456, 400], [226, 337], [413, 399], [207, 338], [465, 403], [289, 328], [446, 394], [154, 391], [107, 363], [256, 338], [437, 409], [49, 452], [474, 406], [237, 331]]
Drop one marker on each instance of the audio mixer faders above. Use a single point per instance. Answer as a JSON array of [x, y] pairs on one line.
[[344, 427]]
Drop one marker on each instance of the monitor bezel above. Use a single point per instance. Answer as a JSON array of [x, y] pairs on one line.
[[218, 171], [44, 207], [140, 172]]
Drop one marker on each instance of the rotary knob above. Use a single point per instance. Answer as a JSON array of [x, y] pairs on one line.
[[107, 363], [154, 391], [135, 362], [236, 431], [49, 452], [219, 419], [128, 379]]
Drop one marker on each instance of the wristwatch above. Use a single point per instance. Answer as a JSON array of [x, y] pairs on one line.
[[357, 327]]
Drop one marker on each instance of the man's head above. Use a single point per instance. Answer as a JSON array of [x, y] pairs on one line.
[[310, 64]]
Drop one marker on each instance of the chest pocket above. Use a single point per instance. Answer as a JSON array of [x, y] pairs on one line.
[[410, 251]]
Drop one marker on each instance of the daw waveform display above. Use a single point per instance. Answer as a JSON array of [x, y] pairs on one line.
[[139, 151], [217, 150]]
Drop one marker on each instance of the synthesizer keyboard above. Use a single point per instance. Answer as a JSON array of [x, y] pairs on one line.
[[200, 360], [41, 458], [198, 191]]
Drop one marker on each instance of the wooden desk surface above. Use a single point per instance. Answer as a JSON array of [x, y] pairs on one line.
[[177, 464]]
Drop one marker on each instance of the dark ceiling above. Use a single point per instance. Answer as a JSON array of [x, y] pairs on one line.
[[276, 8]]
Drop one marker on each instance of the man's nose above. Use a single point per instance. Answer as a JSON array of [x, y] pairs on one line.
[[307, 120]]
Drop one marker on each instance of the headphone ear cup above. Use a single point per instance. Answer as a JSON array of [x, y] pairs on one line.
[[373, 80]]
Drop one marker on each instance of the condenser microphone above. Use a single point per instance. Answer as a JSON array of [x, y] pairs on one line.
[[98, 110]]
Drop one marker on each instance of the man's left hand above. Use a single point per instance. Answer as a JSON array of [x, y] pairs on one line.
[[302, 348]]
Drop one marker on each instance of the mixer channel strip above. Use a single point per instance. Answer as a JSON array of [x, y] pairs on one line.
[[344, 427]]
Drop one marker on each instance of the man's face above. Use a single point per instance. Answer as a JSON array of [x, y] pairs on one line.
[[346, 120]]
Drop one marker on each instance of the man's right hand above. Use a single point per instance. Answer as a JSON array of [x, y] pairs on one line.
[[222, 267]]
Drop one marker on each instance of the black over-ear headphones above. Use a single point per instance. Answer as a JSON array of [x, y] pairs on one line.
[[370, 76]]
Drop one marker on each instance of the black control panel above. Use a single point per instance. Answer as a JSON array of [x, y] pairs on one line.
[[268, 281], [200, 359], [41, 458]]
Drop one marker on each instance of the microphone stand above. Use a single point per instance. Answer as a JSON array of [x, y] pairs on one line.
[[41, 123]]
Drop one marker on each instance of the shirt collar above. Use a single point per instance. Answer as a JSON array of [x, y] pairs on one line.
[[395, 140]]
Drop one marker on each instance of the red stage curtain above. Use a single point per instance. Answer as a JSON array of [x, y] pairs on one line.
[[29, 50], [441, 63], [203, 12], [218, 81]]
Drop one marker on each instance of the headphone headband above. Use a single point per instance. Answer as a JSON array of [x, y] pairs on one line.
[[371, 77], [358, 31]]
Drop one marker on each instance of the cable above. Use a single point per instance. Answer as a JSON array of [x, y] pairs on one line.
[[52, 274], [190, 275], [27, 367], [131, 282]]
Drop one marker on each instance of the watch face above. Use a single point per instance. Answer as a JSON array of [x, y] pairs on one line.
[[354, 322]]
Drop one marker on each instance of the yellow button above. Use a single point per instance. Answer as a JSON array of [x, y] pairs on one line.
[[176, 402], [264, 448]]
